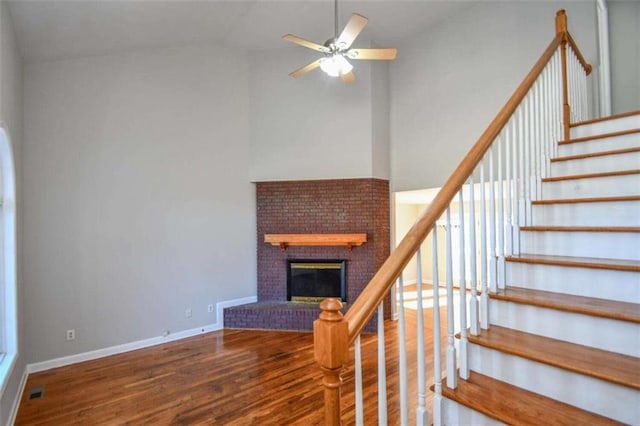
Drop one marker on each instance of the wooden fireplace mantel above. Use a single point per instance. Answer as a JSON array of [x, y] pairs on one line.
[[286, 240]]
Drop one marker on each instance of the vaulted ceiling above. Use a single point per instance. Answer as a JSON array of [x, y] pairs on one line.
[[52, 29]]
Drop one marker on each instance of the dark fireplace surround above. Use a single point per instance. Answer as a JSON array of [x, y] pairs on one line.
[[331, 206]]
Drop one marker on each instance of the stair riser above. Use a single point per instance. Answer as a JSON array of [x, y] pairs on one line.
[[618, 213], [610, 186], [607, 163], [609, 126], [603, 245], [602, 333], [458, 414], [597, 396], [622, 286], [598, 145]]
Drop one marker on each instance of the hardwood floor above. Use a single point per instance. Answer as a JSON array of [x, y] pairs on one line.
[[228, 377]]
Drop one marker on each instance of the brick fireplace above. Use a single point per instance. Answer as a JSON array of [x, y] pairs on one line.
[[313, 207]]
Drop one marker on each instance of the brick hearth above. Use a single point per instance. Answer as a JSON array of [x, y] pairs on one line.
[[307, 207]]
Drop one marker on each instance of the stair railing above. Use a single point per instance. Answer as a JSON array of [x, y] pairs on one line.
[[506, 166]]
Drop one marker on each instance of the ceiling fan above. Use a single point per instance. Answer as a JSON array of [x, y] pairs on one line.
[[338, 49]]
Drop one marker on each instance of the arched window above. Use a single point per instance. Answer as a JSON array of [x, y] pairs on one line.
[[8, 286]]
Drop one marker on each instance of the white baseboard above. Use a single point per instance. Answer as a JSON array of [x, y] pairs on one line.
[[229, 303], [140, 344], [18, 397]]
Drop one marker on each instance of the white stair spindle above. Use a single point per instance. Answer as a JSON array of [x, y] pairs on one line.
[[560, 106], [382, 370], [358, 383], [473, 303], [551, 105], [529, 159], [579, 99], [516, 182], [500, 223], [575, 104], [402, 367], [557, 104], [547, 119], [576, 78], [508, 248], [552, 114], [543, 126], [535, 141], [437, 339], [585, 90], [539, 139], [572, 106], [570, 83], [422, 414], [521, 166], [463, 345], [484, 297], [577, 83], [525, 138], [452, 379], [493, 264]]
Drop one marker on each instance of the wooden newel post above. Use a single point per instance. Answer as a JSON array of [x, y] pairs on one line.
[[331, 348], [561, 30]]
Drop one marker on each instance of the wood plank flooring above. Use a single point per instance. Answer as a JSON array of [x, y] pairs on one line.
[[228, 377]]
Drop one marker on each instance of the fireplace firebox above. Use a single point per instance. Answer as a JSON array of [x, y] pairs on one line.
[[311, 281]]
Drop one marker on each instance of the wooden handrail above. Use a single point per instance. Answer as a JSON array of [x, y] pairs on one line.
[[365, 305], [562, 31], [585, 65]]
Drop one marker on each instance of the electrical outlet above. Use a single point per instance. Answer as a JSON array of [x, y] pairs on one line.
[[187, 313], [210, 308], [71, 334]]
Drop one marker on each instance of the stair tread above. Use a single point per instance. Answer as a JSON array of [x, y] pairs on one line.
[[600, 136], [580, 228], [587, 200], [513, 405], [596, 154], [582, 262], [610, 366], [608, 118], [624, 311], [592, 175]]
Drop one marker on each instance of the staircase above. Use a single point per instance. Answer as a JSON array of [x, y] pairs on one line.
[[563, 345], [546, 327]]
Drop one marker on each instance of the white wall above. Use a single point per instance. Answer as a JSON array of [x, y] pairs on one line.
[[624, 40], [11, 119], [380, 131], [449, 82], [405, 216], [138, 203], [313, 127]]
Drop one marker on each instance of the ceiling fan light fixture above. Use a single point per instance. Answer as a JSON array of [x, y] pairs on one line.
[[335, 65]]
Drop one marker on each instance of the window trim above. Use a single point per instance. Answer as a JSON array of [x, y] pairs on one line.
[[8, 287]]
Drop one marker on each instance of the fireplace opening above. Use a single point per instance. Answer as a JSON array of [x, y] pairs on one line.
[[311, 281]]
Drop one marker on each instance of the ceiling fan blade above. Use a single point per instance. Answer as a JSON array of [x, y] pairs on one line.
[[306, 43], [348, 77], [351, 30], [381, 54], [309, 67]]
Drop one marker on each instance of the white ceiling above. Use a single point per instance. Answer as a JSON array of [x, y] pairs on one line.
[[52, 29]]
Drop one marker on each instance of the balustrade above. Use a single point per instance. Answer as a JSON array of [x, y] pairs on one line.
[[508, 163]]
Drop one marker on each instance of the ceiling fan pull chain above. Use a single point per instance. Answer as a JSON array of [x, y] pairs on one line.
[[335, 20]]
